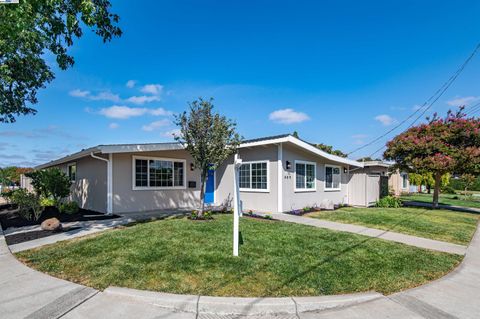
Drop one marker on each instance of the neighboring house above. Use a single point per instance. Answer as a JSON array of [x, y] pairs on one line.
[[278, 174]]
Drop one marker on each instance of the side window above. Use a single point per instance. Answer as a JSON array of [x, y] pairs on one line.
[[72, 172]]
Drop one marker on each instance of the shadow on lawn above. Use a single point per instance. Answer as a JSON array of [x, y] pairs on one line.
[[336, 255]]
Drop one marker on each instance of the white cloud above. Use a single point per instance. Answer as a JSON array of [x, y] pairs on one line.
[[359, 139], [130, 84], [156, 125], [124, 112], [160, 112], [288, 116], [102, 96], [143, 99], [385, 119], [154, 89], [172, 133], [105, 96], [79, 93], [463, 101], [113, 126]]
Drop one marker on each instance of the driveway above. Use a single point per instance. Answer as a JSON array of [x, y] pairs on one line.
[[26, 293]]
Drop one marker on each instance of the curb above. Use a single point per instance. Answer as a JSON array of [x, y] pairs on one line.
[[242, 306]]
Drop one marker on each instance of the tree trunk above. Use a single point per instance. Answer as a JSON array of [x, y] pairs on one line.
[[436, 191], [429, 189]]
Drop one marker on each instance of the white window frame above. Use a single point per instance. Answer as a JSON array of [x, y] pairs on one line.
[[150, 188], [297, 190], [68, 171], [325, 179], [257, 190]]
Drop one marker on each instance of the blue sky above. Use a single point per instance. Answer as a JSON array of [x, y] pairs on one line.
[[338, 72]]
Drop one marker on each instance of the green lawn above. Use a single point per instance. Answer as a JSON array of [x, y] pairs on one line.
[[446, 199], [444, 225], [276, 259]]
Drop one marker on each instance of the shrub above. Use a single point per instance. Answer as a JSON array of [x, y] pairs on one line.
[[45, 202], [389, 201], [206, 215], [7, 194], [29, 206], [68, 208], [448, 190], [51, 183]]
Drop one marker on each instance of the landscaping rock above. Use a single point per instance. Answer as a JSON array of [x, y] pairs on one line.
[[51, 224]]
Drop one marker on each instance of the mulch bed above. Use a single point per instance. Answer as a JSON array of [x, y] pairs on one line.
[[10, 218], [34, 234]]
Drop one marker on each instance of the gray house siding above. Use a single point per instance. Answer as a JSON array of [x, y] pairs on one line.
[[128, 200], [90, 187], [298, 199], [264, 201]]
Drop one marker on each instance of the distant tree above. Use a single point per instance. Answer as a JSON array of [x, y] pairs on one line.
[[468, 181], [31, 29], [426, 179], [329, 149], [443, 145], [6, 175], [368, 159], [295, 134], [209, 137]]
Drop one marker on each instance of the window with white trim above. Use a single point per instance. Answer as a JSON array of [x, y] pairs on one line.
[[72, 172], [332, 177], [253, 176], [159, 173], [305, 176]]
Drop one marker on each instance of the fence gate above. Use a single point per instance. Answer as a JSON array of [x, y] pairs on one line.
[[372, 189]]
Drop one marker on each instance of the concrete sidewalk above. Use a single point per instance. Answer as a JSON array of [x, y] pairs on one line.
[[377, 233]]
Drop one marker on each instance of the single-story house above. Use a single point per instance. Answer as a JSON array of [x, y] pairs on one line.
[[279, 173]]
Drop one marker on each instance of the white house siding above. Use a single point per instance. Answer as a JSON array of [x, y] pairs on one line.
[[127, 200], [257, 201], [298, 200]]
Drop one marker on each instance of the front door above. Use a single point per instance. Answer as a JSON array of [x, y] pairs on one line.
[[210, 187]]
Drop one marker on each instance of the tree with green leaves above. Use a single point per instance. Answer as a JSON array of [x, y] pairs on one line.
[[10, 175], [51, 183], [209, 137], [329, 149], [426, 179], [32, 28], [443, 145]]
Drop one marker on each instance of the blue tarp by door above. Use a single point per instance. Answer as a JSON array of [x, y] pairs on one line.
[[209, 190]]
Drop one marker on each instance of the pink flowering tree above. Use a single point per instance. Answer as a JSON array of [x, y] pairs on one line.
[[443, 145]]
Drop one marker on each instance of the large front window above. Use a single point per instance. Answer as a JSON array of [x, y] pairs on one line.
[[305, 176], [332, 177], [254, 176], [159, 173]]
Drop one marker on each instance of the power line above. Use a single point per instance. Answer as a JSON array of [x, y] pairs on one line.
[[473, 109], [435, 98]]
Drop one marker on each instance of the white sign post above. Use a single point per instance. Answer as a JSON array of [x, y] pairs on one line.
[[236, 202]]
